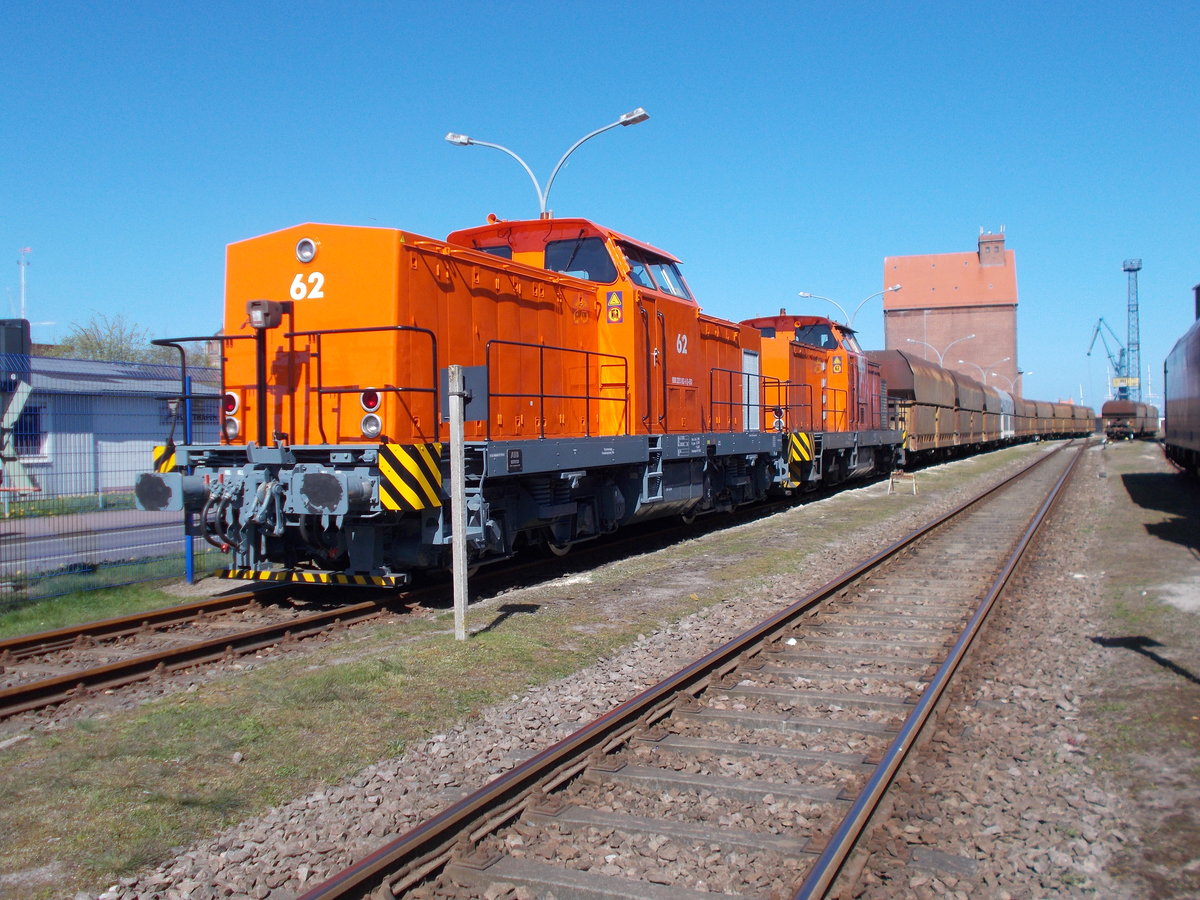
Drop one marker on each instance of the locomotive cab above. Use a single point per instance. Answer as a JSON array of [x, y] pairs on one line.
[[644, 311]]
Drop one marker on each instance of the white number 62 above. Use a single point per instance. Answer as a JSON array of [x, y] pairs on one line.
[[314, 289]]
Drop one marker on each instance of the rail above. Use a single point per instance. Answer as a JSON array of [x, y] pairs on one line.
[[831, 862], [33, 695]]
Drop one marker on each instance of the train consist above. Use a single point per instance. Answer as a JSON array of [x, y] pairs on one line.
[[1126, 420], [1181, 377], [597, 394], [942, 412]]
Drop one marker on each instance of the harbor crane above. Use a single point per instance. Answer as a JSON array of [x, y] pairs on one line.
[[1116, 358]]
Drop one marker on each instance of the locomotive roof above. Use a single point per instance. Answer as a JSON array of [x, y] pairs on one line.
[[786, 320], [548, 229]]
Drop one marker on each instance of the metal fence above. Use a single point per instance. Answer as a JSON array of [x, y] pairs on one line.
[[74, 435]]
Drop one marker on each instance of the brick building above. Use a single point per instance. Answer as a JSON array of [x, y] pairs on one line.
[[948, 297]]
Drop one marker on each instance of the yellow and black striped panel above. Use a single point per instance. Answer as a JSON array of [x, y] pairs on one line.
[[410, 476], [306, 577], [164, 458], [800, 453]]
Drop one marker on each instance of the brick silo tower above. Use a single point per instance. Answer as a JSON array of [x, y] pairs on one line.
[[946, 297]]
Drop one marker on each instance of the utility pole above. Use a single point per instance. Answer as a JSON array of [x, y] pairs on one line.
[[1133, 362]]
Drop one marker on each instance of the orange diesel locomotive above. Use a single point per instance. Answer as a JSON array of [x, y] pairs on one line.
[[598, 394]]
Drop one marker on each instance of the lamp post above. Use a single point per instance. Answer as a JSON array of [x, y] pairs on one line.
[[1011, 387], [941, 353], [983, 373], [850, 316], [629, 118]]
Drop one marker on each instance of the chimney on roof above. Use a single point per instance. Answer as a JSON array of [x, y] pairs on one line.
[[991, 248]]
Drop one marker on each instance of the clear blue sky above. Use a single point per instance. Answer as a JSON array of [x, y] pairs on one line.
[[791, 146]]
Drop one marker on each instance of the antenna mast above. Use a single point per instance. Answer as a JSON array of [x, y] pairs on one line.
[[23, 264]]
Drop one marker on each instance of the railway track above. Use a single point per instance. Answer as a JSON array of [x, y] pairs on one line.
[[45, 669], [754, 770], [48, 668], [46, 642]]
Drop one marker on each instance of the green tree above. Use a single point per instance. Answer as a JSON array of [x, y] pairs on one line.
[[113, 339]]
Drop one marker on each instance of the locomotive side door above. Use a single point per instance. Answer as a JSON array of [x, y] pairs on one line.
[[751, 403]]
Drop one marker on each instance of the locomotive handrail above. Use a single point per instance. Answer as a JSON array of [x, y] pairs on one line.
[[662, 338], [765, 381], [804, 406], [587, 396], [175, 342], [797, 412], [649, 365], [840, 412], [184, 393], [321, 390]]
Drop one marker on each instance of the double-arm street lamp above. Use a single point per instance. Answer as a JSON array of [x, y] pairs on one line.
[[629, 118], [983, 370], [941, 353], [1011, 387], [850, 316]]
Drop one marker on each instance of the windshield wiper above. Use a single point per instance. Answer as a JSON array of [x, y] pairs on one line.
[[574, 250]]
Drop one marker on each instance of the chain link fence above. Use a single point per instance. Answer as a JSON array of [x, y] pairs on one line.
[[74, 435]]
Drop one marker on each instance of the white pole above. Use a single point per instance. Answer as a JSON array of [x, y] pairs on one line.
[[23, 262], [458, 501]]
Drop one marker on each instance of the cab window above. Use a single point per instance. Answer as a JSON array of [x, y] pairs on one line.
[[582, 257], [850, 342], [817, 336], [669, 280], [504, 251], [654, 272], [639, 271]]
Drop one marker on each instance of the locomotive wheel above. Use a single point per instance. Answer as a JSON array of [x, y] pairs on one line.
[[559, 550]]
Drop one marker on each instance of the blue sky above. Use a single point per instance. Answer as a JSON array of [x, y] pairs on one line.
[[791, 147]]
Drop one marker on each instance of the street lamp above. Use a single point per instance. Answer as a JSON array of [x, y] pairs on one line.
[[629, 118], [940, 353], [1011, 387], [982, 373], [850, 316]]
